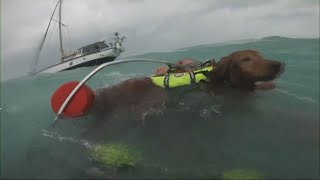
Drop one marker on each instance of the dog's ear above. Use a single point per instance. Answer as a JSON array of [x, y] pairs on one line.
[[220, 72]]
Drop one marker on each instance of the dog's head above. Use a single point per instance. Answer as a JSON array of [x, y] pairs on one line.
[[243, 69]]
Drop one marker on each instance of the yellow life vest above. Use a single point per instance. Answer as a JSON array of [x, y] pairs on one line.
[[181, 79]]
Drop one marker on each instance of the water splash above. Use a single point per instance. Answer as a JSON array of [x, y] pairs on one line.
[[58, 137], [208, 112]]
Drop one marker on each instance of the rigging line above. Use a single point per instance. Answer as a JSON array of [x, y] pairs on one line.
[[52, 33], [66, 49], [64, 25], [35, 64], [60, 33], [70, 44], [54, 26], [65, 33]]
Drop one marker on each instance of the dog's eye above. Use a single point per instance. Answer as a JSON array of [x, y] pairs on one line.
[[245, 59]]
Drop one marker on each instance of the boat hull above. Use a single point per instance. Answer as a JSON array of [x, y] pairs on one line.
[[84, 61], [92, 63]]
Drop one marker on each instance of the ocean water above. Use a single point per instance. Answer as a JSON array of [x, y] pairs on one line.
[[273, 132]]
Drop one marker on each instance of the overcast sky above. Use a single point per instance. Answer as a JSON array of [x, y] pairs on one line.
[[149, 25]]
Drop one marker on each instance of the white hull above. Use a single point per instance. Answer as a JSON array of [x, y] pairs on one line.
[[87, 60]]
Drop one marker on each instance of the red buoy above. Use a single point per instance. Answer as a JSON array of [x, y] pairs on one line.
[[80, 103]]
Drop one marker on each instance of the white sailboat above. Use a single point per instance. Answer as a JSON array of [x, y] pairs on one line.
[[90, 55]]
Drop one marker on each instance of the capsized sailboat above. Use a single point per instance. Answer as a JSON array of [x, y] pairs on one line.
[[91, 55]]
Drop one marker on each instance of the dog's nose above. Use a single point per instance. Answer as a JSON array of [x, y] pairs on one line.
[[276, 66]]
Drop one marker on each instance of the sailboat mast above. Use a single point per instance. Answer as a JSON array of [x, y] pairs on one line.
[[60, 32], [34, 67]]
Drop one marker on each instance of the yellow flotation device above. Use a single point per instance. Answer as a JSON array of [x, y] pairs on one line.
[[173, 80]]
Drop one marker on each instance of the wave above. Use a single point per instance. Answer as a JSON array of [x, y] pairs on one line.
[[281, 81], [301, 98]]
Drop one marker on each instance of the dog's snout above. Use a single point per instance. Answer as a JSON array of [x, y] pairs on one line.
[[276, 65]]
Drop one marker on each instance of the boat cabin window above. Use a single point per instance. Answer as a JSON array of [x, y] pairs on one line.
[[79, 51], [92, 48], [103, 45], [95, 47]]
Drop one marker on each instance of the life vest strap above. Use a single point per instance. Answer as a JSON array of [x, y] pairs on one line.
[[192, 78], [166, 81]]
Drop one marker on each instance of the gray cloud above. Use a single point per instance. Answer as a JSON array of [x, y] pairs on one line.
[[149, 25]]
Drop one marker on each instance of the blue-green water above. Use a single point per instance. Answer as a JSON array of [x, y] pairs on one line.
[[274, 132]]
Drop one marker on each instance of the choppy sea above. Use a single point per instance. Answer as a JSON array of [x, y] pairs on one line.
[[273, 132]]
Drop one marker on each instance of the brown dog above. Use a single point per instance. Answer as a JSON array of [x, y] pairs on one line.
[[243, 69], [240, 70]]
